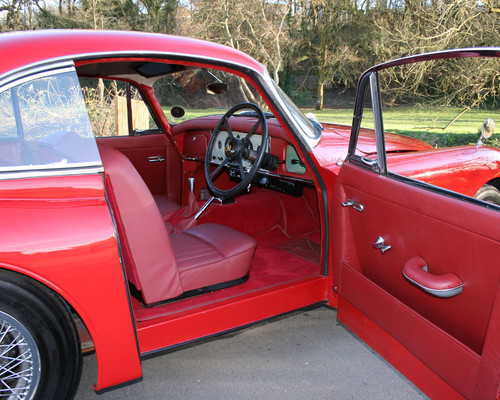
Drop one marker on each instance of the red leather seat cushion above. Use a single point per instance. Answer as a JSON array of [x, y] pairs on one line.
[[160, 263], [150, 266], [167, 208], [210, 253]]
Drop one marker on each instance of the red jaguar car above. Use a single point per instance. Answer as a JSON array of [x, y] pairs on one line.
[[156, 190]]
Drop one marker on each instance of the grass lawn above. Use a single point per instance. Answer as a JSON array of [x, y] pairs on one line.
[[428, 124]]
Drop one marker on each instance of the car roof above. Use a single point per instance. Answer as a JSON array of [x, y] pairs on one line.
[[19, 49]]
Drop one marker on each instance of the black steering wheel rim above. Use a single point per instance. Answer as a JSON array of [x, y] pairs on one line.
[[235, 151]]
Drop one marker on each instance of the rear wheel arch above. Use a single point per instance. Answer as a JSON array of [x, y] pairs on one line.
[[43, 319]]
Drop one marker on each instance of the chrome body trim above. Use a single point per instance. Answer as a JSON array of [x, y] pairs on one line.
[[44, 173]]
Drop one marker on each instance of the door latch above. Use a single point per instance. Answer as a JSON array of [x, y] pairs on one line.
[[380, 244], [156, 159], [353, 204]]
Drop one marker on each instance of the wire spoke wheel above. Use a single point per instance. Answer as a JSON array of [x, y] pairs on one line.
[[19, 360], [40, 355]]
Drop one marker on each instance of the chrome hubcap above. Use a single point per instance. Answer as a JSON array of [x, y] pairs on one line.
[[19, 360]]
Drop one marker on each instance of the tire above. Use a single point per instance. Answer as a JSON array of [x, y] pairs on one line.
[[489, 193], [44, 342]]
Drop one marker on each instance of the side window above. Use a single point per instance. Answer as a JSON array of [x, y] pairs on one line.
[[116, 108], [366, 145], [45, 124], [189, 93], [433, 114]]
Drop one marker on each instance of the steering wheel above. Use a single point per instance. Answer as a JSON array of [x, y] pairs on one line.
[[236, 149]]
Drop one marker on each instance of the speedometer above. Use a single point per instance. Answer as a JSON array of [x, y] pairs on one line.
[[252, 143]]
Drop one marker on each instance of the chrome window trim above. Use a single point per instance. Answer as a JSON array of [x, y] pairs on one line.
[[25, 75], [308, 142], [439, 190], [53, 166], [379, 122], [68, 60], [45, 173]]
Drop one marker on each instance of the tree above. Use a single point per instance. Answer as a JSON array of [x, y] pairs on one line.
[[332, 42], [19, 14], [257, 27], [423, 27]]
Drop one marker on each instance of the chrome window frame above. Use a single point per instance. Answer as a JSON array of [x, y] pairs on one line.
[[48, 170]]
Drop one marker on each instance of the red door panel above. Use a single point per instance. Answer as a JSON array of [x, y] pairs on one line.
[[455, 239], [156, 159]]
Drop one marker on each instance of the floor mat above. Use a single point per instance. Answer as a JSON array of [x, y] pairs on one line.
[[303, 248], [271, 266]]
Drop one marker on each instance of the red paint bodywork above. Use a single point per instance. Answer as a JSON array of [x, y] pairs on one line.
[[61, 233], [25, 48]]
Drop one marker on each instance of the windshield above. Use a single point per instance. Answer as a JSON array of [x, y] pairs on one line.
[[312, 130], [195, 92]]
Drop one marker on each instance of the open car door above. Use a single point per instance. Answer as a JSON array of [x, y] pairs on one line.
[[419, 260]]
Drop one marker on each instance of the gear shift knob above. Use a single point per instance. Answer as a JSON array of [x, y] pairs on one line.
[[191, 184]]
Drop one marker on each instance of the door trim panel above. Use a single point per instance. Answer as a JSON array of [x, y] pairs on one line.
[[455, 363], [455, 237]]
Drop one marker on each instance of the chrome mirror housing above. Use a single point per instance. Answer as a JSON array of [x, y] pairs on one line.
[[487, 130]]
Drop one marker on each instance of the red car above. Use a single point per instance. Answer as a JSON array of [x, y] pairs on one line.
[[156, 190]]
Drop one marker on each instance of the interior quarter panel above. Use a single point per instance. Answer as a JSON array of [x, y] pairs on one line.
[[162, 178], [415, 221]]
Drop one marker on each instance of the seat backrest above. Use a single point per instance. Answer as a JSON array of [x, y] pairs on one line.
[[148, 255]]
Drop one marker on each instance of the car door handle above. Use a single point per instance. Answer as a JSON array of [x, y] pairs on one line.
[[156, 159], [446, 285], [353, 204], [380, 244]]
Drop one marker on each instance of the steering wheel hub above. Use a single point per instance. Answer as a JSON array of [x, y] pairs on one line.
[[231, 147], [238, 151]]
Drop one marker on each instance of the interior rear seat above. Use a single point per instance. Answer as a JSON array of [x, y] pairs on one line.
[[163, 265]]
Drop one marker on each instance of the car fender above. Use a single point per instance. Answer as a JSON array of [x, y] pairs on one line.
[[463, 169], [60, 233]]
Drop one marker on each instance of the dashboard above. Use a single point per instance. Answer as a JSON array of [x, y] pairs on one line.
[[287, 175], [253, 142]]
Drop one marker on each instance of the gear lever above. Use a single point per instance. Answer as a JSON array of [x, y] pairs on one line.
[[192, 206]]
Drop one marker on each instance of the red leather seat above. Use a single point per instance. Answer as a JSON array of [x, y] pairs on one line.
[[166, 207], [161, 265]]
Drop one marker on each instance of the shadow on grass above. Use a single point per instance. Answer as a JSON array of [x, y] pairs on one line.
[[439, 140]]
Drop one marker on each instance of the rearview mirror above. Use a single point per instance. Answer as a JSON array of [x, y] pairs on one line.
[[216, 88]]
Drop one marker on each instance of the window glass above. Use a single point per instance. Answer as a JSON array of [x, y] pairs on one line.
[[366, 145], [188, 93], [108, 107], [8, 125], [45, 124], [433, 113]]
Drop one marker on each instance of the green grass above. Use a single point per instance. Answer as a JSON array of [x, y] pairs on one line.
[[427, 124], [420, 122], [193, 113]]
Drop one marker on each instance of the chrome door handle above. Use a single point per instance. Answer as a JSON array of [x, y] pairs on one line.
[[156, 159], [380, 244], [353, 204]]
